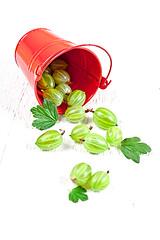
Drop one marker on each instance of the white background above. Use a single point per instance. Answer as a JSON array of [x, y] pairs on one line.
[[34, 185]]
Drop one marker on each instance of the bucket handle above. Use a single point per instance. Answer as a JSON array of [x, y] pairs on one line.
[[104, 81]]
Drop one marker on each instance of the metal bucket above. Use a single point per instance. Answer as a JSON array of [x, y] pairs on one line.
[[39, 47]]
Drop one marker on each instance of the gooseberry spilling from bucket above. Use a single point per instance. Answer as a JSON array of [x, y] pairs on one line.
[[39, 47]]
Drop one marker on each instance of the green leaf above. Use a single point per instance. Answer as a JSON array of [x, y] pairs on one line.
[[46, 116], [128, 153], [128, 141], [78, 193], [132, 148], [141, 148]]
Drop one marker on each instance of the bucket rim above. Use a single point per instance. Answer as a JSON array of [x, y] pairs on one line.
[[33, 30]]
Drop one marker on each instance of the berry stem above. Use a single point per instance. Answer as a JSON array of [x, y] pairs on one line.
[[82, 140], [74, 180], [89, 110], [65, 100], [90, 128], [63, 131]]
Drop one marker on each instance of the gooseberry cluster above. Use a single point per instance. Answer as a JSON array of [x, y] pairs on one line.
[[81, 175], [54, 84], [93, 142]]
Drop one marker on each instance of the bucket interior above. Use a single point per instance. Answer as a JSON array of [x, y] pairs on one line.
[[85, 73]]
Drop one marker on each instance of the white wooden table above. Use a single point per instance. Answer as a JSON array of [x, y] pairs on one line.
[[34, 185]]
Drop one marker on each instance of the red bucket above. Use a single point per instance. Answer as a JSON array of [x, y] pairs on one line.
[[39, 47]]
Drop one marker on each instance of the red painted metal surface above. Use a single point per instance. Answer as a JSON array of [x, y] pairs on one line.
[[39, 47]]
